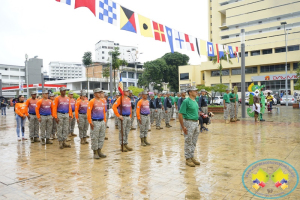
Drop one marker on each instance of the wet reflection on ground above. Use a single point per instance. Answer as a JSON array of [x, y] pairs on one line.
[[33, 171]]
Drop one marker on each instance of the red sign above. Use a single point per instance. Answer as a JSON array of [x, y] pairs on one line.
[[283, 77]]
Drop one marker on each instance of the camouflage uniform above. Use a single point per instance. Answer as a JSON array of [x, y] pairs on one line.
[[232, 109], [152, 115], [54, 127], [72, 123], [237, 108], [33, 126], [158, 117], [98, 135], [126, 129], [144, 126], [83, 125], [46, 126], [116, 121], [62, 126], [190, 139], [133, 114], [168, 115], [227, 110]]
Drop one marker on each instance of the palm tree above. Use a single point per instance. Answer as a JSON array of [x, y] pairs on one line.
[[214, 60], [87, 62]]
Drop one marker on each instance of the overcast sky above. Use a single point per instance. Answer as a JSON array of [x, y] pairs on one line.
[[58, 32]]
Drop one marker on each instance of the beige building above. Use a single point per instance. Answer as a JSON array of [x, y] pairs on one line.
[[265, 43]]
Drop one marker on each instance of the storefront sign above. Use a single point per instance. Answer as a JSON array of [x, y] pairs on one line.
[[273, 77]]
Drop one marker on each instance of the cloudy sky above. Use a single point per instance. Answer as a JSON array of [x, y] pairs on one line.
[[58, 32]]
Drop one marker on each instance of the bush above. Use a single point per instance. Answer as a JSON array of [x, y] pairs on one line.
[[75, 95]]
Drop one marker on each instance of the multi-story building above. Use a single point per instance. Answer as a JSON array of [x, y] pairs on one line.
[[264, 39], [66, 70]]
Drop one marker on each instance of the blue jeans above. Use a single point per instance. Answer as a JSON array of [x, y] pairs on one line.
[[3, 110], [20, 124]]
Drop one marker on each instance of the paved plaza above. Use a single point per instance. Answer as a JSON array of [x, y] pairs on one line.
[[34, 171]]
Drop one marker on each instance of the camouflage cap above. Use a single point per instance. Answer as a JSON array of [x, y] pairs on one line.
[[63, 89], [227, 89], [144, 92], [183, 91], [33, 92], [130, 91], [71, 92], [125, 89], [83, 93], [97, 90], [192, 88], [151, 95], [51, 95], [203, 90], [45, 91], [105, 94]]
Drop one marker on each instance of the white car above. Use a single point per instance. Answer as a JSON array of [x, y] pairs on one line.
[[218, 100]]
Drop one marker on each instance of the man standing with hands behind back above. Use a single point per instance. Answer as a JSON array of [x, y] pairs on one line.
[[188, 118]]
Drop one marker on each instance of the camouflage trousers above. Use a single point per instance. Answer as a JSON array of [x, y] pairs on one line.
[[107, 114], [158, 117], [190, 139], [116, 120], [83, 125], [126, 123], [133, 114], [33, 126], [234, 109], [63, 126], [204, 109], [54, 127], [172, 112], [152, 115], [227, 110], [98, 135], [46, 126], [163, 114], [168, 115], [72, 123], [144, 126]]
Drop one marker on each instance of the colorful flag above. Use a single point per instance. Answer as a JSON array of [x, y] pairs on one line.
[[120, 87], [226, 52], [210, 49], [231, 52], [90, 4], [218, 53], [65, 1], [203, 47], [159, 33], [190, 42], [145, 26], [179, 39], [221, 50], [127, 20], [237, 54], [198, 50], [108, 11], [170, 38]]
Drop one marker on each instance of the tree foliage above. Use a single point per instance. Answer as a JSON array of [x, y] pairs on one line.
[[105, 72], [297, 86], [135, 90], [87, 59], [221, 88], [214, 60], [164, 69], [75, 95], [207, 88]]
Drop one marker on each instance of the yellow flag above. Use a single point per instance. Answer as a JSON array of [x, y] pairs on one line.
[[145, 26], [203, 47]]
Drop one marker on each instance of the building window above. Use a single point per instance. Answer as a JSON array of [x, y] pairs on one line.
[[104, 47], [130, 74], [102, 52], [224, 37], [184, 76], [280, 50], [102, 57], [210, 24], [123, 74], [276, 86], [274, 68], [267, 51], [210, 8], [255, 53], [248, 70], [293, 48], [217, 73], [210, 16], [130, 84], [295, 83], [296, 66]]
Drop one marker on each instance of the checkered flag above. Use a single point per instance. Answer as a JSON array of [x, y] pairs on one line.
[[108, 11]]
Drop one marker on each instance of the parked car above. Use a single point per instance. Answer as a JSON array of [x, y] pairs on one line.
[[218, 100], [290, 99]]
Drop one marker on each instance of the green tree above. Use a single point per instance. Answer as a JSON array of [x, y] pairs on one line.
[[75, 95], [221, 88], [87, 62], [207, 88], [105, 72], [135, 90], [297, 86], [116, 63], [214, 60]]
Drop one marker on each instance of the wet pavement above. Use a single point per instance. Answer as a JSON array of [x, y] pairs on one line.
[[34, 171]]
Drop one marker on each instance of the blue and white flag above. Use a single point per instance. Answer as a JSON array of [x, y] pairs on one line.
[[221, 50], [170, 38], [108, 11], [210, 49], [65, 1], [231, 52], [179, 39]]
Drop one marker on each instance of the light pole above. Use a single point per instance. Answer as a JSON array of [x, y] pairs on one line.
[[134, 60], [110, 75], [26, 70], [286, 85], [243, 72]]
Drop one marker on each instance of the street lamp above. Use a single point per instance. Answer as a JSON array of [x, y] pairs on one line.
[[134, 60], [243, 72], [26, 69], [286, 88]]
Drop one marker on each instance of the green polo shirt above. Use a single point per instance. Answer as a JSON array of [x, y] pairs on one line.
[[172, 100], [176, 99], [231, 96], [237, 98], [189, 109], [226, 98], [197, 98], [155, 96], [162, 100]]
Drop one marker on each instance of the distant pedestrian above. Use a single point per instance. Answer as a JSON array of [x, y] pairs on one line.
[[232, 98], [168, 109], [152, 109], [81, 116], [3, 103], [73, 120], [21, 114], [158, 110], [34, 125], [133, 107], [54, 124], [226, 103], [270, 100], [202, 102], [142, 113]]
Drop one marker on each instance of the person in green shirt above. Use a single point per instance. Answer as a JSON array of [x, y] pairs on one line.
[[163, 96], [198, 96], [176, 104], [188, 118], [173, 104], [236, 107], [232, 105], [226, 103]]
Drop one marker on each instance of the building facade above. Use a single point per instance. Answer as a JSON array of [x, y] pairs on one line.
[[264, 39], [66, 70]]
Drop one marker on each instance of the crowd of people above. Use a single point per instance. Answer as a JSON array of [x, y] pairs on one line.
[[54, 117]]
